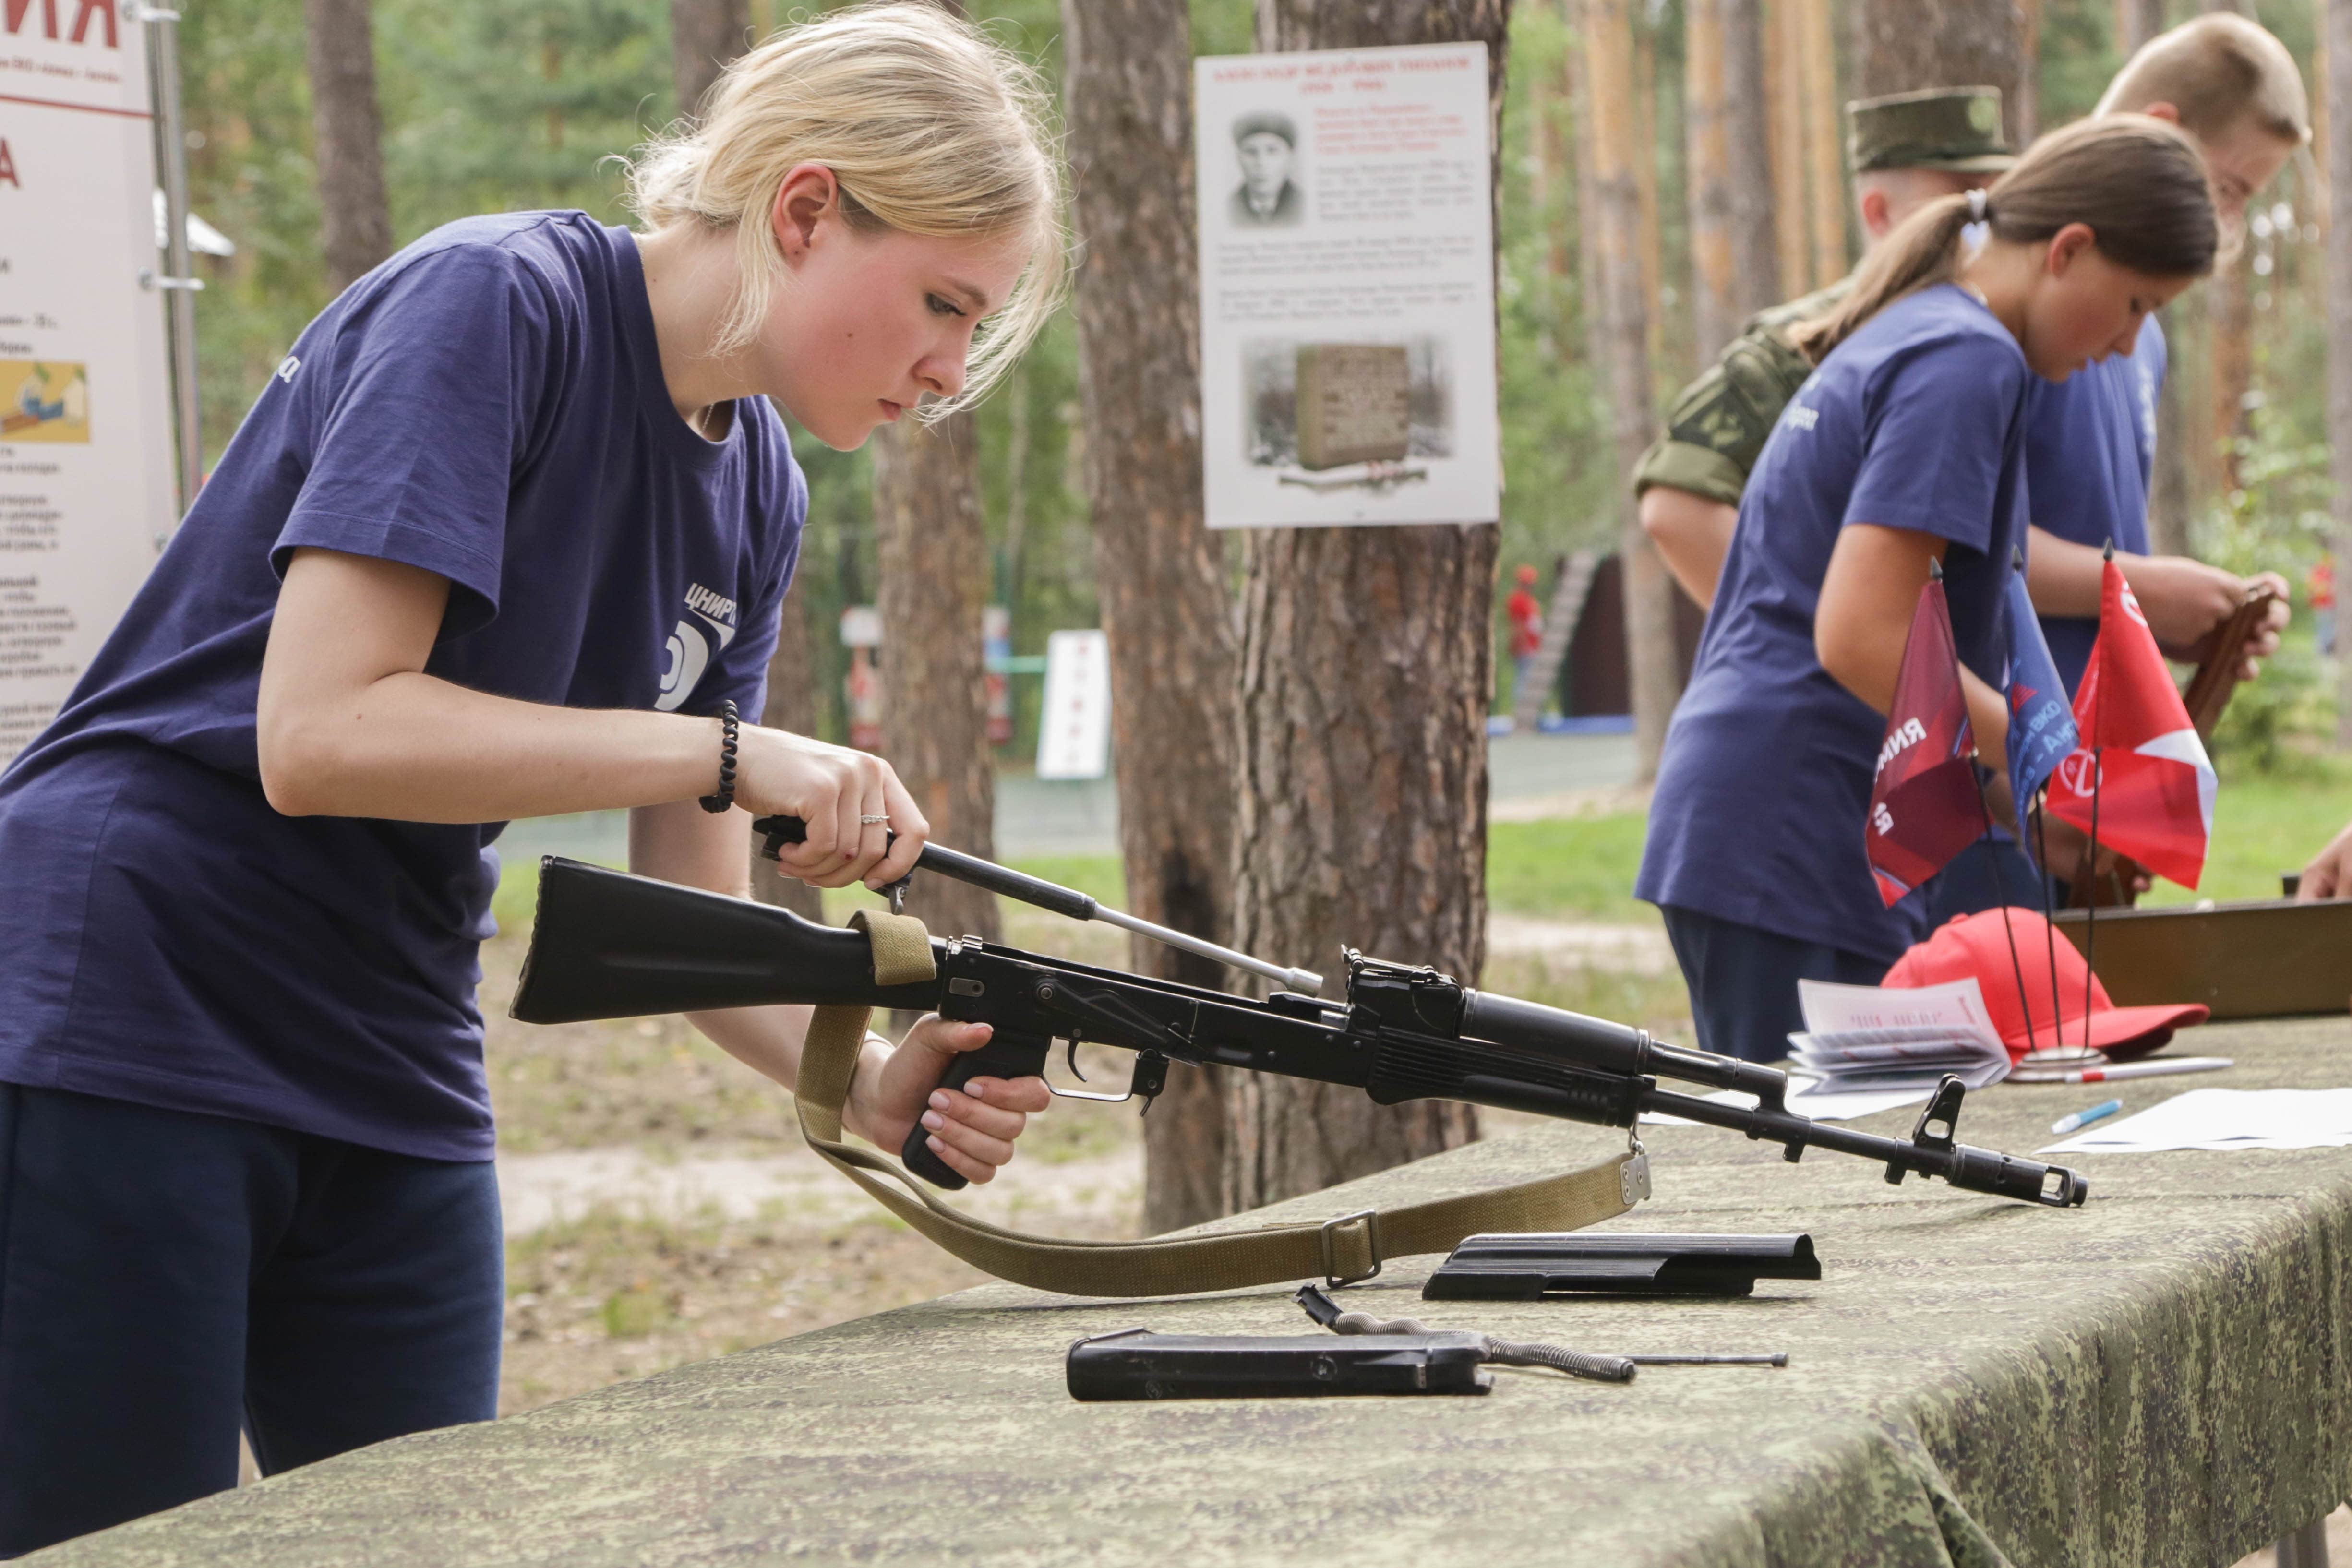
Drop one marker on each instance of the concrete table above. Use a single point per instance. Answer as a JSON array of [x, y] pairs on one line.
[[2159, 1378]]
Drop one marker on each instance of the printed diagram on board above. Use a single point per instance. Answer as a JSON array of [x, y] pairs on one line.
[[44, 399]]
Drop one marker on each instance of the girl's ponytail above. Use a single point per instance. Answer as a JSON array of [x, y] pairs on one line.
[[1924, 250], [2137, 183]]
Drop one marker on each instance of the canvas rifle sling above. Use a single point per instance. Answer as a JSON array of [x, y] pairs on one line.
[[1347, 1248]]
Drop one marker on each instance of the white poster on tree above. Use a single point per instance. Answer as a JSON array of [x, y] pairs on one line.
[[85, 452], [1347, 288]]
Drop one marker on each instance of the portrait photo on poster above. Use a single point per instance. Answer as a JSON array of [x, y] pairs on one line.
[[1266, 146], [1347, 288]]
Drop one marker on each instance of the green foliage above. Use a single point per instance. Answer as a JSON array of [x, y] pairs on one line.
[[2278, 521]]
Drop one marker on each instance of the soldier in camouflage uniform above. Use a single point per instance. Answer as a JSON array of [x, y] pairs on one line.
[[1906, 150]]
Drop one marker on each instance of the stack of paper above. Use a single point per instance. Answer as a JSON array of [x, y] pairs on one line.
[[2225, 1119], [1869, 1039]]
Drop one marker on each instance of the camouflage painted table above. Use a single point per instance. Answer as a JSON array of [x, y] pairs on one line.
[[2159, 1378]]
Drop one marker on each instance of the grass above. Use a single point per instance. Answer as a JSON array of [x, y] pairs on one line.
[[1578, 868]]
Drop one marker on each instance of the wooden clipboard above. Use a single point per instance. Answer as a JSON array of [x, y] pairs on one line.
[[2217, 678], [2276, 958]]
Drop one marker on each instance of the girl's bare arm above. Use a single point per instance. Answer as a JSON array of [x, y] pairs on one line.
[[349, 725]]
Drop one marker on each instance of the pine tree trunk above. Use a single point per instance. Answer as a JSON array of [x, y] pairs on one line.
[[1666, 375], [1785, 138], [1620, 322], [1715, 311], [2230, 327], [791, 706], [704, 35], [1825, 141], [2027, 118], [2169, 485], [1367, 669], [1903, 45], [2136, 21], [1160, 574], [347, 139], [933, 562], [1755, 260], [2338, 21]]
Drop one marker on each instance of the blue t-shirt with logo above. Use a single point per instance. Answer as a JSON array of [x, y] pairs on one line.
[[1912, 422], [2090, 446], [487, 405]]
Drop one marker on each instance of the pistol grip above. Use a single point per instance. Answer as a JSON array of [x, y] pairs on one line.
[[1002, 1057]]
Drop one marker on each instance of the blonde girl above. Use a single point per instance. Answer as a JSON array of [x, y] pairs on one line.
[[504, 537]]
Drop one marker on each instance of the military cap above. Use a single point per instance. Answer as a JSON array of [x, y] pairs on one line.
[[1954, 128], [1266, 124]]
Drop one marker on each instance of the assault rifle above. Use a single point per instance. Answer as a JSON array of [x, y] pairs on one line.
[[607, 944]]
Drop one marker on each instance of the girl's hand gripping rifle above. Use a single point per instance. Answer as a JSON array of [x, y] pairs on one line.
[[608, 945]]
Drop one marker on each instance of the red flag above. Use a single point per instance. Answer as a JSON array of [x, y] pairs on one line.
[[2153, 778], [1924, 808]]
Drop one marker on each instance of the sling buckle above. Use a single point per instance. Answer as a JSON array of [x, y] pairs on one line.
[[1325, 1234]]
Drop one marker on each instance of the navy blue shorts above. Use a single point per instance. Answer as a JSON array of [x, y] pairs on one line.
[[1743, 980], [167, 1279]]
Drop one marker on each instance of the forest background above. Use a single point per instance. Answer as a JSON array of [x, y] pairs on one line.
[[507, 104]]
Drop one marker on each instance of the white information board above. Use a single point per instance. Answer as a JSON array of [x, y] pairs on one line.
[[85, 424], [1074, 732], [1347, 234]]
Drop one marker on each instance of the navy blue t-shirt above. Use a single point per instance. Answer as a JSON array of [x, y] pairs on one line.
[[1912, 422], [487, 405], [2090, 446]]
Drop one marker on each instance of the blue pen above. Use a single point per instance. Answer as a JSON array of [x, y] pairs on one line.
[[2085, 1118]]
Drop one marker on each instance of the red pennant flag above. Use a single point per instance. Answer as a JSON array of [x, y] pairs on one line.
[[2154, 782], [1924, 808]]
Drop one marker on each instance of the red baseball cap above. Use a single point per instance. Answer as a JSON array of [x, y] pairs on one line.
[[1977, 946]]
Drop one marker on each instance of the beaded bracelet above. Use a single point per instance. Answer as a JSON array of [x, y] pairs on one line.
[[725, 796]]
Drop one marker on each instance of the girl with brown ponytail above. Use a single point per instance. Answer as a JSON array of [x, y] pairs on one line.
[[1904, 448]]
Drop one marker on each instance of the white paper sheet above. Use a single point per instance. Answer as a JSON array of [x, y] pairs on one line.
[[2224, 1119]]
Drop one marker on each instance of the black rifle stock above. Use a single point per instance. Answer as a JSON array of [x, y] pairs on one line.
[[607, 944]]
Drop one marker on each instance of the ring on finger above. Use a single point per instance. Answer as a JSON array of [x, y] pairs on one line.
[[869, 821]]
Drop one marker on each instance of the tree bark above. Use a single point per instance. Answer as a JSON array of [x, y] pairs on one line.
[[1785, 97], [347, 139], [1367, 667], [2338, 21], [1666, 375], [2169, 482], [1160, 574], [2229, 330], [704, 35], [933, 562], [1900, 46], [1755, 258], [792, 706], [1619, 322], [1825, 141], [2136, 21], [2027, 118], [1715, 311]]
